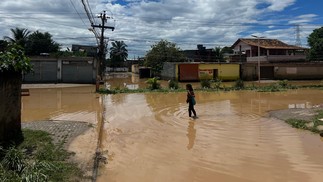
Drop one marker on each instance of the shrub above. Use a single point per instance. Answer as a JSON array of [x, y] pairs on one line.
[[13, 160], [172, 84], [36, 159], [239, 84], [205, 81], [217, 83], [153, 83], [283, 83]]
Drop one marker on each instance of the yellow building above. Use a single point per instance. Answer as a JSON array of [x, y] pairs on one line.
[[196, 71]]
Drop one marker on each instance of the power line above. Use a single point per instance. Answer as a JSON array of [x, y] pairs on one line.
[[77, 12], [87, 1]]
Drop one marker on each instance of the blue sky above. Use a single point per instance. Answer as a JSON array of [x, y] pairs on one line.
[[142, 23]]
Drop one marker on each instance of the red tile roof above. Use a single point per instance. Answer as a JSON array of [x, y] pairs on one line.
[[268, 44]]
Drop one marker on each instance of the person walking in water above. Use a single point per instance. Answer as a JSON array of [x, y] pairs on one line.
[[190, 100]]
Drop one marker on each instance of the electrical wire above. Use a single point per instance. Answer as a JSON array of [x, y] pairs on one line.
[[87, 2], [77, 12]]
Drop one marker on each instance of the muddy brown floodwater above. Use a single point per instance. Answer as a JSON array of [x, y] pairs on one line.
[[149, 136]]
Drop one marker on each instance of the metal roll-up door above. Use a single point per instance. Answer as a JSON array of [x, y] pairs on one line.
[[188, 72], [43, 72], [77, 72]]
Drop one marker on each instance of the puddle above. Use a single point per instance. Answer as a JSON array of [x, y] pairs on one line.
[[149, 136]]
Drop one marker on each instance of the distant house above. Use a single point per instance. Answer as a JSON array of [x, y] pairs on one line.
[[271, 50], [201, 54], [91, 51]]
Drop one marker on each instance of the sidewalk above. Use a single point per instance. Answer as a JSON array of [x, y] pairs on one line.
[[61, 131]]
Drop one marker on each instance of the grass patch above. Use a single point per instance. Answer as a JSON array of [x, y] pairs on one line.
[[308, 125], [297, 123], [209, 86], [36, 159]]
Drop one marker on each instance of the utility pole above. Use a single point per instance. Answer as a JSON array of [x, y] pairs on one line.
[[257, 37], [102, 52]]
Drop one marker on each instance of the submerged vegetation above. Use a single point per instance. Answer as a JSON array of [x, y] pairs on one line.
[[36, 159], [209, 85], [312, 125]]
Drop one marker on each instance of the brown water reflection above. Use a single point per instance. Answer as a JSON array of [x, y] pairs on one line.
[[75, 103], [149, 137]]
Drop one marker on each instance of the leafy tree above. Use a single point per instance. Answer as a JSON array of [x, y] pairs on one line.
[[19, 36], [315, 41], [118, 53], [161, 52], [12, 63], [218, 54], [226, 49], [39, 42], [3, 45]]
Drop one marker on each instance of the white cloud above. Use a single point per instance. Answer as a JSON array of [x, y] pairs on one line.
[[307, 18], [140, 23], [279, 5]]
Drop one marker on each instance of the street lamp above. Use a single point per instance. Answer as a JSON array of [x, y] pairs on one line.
[[257, 37]]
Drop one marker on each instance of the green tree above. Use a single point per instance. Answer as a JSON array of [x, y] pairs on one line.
[[218, 54], [315, 41], [161, 52], [118, 53], [12, 63], [19, 36], [227, 49], [3, 45], [39, 42]]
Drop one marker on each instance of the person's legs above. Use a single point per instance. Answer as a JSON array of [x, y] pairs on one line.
[[190, 107], [193, 111]]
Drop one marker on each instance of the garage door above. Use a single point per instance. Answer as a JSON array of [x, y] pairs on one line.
[[77, 72], [44, 71], [188, 72]]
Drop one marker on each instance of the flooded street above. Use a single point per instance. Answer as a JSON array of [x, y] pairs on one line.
[[149, 136]]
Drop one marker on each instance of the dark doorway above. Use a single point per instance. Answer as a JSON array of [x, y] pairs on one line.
[[267, 72], [215, 73]]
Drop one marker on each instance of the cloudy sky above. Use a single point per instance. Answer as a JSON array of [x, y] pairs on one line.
[[142, 23]]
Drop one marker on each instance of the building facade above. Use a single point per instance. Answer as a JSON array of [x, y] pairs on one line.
[[62, 70], [197, 71], [271, 50]]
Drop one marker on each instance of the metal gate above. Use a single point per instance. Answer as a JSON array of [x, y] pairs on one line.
[[44, 71], [77, 72], [188, 72]]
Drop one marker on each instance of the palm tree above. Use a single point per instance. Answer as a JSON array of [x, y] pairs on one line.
[[118, 53], [218, 54], [20, 36]]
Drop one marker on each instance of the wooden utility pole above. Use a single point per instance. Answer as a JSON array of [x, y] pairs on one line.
[[102, 51]]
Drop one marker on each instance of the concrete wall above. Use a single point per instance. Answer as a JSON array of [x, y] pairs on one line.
[[62, 70], [117, 69], [291, 71], [135, 68], [299, 71], [277, 58], [169, 71]]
